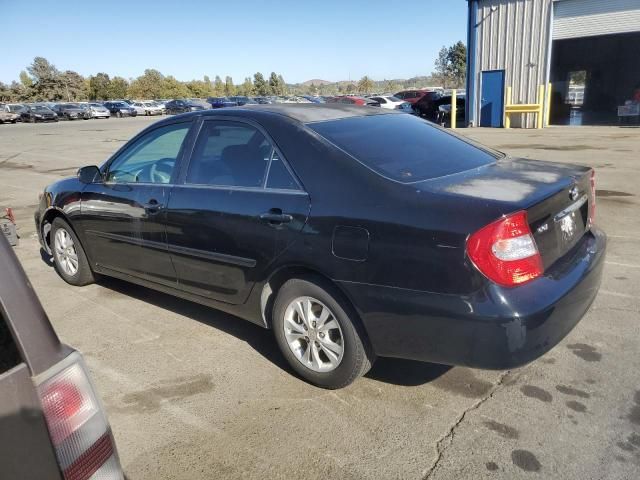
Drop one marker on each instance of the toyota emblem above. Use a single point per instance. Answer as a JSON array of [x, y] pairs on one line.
[[573, 193]]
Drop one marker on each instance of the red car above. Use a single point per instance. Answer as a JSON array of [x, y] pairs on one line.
[[353, 100], [411, 96]]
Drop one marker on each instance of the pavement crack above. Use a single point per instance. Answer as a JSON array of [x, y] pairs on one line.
[[447, 439]]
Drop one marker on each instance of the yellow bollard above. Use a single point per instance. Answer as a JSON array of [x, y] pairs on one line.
[[454, 107], [547, 116], [507, 120], [540, 102]]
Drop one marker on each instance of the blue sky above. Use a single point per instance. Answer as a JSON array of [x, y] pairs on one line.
[[303, 39]]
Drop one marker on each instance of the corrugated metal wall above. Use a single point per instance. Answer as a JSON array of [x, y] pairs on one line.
[[513, 35], [587, 18]]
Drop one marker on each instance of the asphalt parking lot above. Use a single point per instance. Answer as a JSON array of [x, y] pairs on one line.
[[194, 393]]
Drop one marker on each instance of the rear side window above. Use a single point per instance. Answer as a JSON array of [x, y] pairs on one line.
[[279, 175], [229, 154], [402, 147]]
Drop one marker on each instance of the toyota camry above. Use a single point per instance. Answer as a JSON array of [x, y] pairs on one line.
[[351, 232]]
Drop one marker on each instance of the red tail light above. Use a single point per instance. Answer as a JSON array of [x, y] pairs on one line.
[[505, 251], [592, 205], [77, 424]]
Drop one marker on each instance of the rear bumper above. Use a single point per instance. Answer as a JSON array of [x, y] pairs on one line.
[[495, 328]]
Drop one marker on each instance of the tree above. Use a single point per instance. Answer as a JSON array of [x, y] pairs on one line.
[[229, 87], [260, 85], [99, 86], [74, 86], [390, 86], [350, 88], [365, 84], [451, 65], [5, 93], [19, 93], [172, 88], [148, 85], [246, 88], [118, 88], [283, 85], [47, 84], [199, 88], [218, 86], [277, 85], [25, 79]]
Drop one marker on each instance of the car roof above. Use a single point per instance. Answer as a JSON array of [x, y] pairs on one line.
[[304, 112]]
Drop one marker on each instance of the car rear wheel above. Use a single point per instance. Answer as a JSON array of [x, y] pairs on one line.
[[319, 333], [68, 255]]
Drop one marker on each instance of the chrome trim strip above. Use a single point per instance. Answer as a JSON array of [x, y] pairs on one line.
[[218, 257], [570, 209], [191, 252]]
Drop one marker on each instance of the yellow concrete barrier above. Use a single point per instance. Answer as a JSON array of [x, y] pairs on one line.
[[537, 108]]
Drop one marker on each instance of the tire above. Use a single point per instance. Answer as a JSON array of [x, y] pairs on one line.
[[321, 369], [119, 114], [83, 274]]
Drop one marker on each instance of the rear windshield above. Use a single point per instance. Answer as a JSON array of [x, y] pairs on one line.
[[402, 147]]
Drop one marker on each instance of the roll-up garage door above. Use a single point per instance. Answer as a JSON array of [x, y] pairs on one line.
[[588, 18]]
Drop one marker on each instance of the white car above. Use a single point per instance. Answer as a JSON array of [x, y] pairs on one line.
[[99, 111], [392, 103], [160, 104], [147, 108]]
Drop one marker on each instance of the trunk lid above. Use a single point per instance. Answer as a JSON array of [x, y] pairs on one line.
[[557, 199]]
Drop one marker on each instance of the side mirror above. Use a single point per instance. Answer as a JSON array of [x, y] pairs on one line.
[[89, 174]]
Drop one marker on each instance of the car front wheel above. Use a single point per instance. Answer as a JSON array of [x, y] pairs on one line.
[[68, 255], [319, 333]]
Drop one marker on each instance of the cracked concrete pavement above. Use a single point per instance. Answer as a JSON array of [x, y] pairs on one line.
[[194, 393]]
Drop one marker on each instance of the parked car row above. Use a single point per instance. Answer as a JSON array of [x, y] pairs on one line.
[[432, 104], [53, 112]]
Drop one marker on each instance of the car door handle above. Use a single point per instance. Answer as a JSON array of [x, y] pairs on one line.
[[276, 217], [152, 206]]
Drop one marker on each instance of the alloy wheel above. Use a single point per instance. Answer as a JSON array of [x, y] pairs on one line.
[[313, 334], [65, 252]]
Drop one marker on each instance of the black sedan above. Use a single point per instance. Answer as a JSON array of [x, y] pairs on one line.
[[120, 109], [37, 113], [351, 232], [71, 111], [183, 106], [220, 102]]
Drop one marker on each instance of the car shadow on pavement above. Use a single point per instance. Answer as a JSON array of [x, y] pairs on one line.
[[394, 371], [407, 373], [256, 336]]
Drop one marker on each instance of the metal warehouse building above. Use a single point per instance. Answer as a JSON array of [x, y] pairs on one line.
[[588, 50]]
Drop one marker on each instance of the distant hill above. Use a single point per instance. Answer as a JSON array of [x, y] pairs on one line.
[[316, 81], [324, 87]]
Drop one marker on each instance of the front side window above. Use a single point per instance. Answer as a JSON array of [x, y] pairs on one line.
[[152, 158]]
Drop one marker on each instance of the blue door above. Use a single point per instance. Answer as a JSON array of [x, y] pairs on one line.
[[492, 100]]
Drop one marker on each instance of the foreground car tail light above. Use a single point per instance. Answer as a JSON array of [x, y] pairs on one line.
[[592, 204], [77, 424], [505, 251]]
